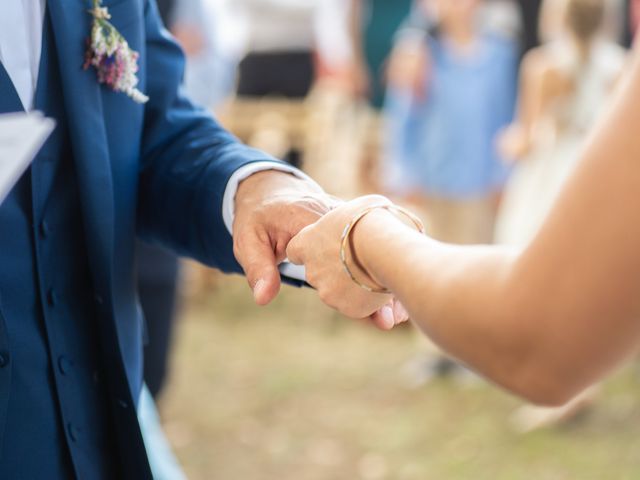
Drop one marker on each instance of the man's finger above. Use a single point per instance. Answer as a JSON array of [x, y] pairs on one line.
[[258, 261], [310, 211]]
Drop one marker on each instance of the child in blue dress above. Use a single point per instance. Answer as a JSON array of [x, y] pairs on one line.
[[443, 125]]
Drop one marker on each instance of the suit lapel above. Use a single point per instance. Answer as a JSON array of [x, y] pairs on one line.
[[71, 24]]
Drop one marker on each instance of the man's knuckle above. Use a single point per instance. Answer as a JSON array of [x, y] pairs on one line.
[[237, 251]]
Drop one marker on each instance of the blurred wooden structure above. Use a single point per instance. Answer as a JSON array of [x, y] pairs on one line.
[[333, 132], [274, 125]]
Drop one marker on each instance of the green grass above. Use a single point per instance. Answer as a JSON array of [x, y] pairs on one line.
[[295, 392]]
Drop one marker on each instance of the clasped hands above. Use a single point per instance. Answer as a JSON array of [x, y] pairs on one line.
[[280, 216]]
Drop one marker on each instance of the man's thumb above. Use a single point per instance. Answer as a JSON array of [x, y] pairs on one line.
[[259, 264], [265, 281]]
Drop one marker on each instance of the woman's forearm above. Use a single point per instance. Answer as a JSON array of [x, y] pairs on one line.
[[460, 297], [486, 306]]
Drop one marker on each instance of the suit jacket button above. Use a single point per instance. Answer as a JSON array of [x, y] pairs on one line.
[[45, 230], [4, 359], [52, 298], [73, 431], [64, 364]]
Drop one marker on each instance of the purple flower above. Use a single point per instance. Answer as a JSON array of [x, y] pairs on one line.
[[109, 53]]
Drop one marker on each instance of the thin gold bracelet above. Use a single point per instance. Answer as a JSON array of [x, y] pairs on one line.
[[346, 234]]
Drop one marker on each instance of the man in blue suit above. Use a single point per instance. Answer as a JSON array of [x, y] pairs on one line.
[[71, 333]]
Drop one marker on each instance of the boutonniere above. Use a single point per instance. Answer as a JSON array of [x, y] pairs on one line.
[[109, 53]]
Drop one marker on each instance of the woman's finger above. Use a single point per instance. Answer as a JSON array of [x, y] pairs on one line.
[[298, 246], [383, 318]]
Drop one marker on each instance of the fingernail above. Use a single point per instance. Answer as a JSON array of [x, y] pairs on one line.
[[400, 313], [386, 313], [258, 288]]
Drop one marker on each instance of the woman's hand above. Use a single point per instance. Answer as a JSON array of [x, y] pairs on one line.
[[317, 247], [513, 143]]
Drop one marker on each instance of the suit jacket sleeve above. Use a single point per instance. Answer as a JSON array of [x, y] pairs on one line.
[[187, 160]]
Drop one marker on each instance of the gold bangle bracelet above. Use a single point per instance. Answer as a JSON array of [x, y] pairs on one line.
[[348, 229]]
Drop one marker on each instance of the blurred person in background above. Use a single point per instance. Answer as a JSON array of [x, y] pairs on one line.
[[374, 25], [279, 60], [409, 59], [210, 33], [353, 44], [441, 132], [565, 84], [333, 108], [281, 38], [503, 17], [551, 24]]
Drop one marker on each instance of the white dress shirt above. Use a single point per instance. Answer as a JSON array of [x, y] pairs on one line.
[[21, 24], [21, 44]]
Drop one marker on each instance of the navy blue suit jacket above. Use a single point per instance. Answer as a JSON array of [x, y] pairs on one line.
[[158, 170]]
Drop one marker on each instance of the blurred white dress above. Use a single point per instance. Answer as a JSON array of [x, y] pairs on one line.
[[558, 139]]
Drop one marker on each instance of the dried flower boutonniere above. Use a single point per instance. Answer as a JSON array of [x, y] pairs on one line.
[[115, 62]]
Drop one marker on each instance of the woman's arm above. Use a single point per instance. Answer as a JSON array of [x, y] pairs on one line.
[[544, 322], [540, 84]]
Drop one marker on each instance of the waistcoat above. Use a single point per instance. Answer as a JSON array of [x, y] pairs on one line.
[[55, 419]]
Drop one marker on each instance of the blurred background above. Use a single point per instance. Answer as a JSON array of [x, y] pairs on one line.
[[471, 113]]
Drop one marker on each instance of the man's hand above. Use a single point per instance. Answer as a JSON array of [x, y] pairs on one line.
[[271, 207]]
